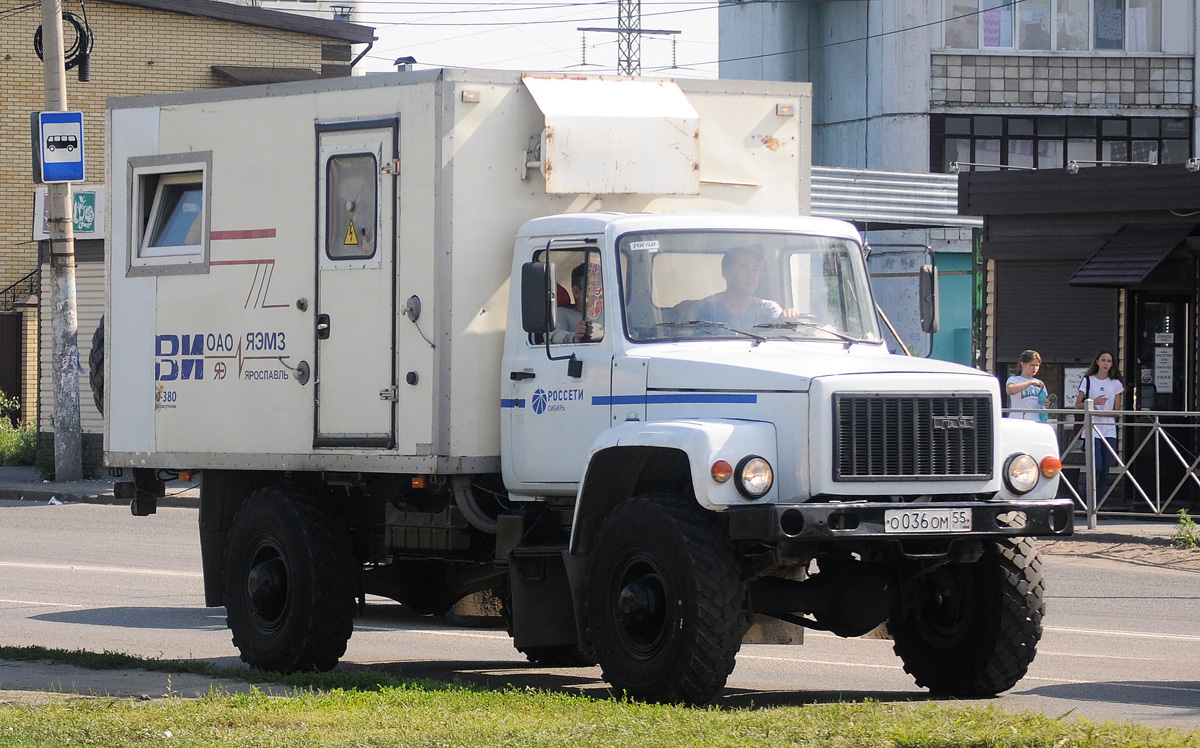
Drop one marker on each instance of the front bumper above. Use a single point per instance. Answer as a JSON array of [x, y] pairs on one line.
[[859, 521]]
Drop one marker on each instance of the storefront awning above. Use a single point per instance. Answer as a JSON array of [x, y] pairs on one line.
[[1131, 254]]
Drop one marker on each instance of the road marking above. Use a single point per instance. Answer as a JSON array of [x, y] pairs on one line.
[[1126, 634], [32, 602], [817, 662], [1068, 630], [399, 629], [107, 569]]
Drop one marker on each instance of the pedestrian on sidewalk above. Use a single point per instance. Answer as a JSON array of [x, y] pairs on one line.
[[1102, 384], [1026, 392]]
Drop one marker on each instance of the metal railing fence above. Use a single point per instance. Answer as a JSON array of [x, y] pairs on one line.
[[1155, 464]]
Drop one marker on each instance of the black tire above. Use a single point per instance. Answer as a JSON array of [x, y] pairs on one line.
[[979, 623], [664, 601], [289, 583], [96, 366]]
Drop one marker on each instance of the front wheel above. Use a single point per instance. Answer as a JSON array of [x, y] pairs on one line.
[[289, 583], [664, 601], [978, 625]]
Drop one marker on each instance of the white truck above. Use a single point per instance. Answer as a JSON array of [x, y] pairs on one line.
[[659, 423]]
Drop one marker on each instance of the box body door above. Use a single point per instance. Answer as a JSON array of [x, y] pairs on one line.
[[355, 369]]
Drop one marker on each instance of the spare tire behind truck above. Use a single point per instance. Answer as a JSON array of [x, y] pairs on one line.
[[96, 366]]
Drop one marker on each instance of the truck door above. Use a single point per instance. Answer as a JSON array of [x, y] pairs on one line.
[[553, 417], [355, 369]]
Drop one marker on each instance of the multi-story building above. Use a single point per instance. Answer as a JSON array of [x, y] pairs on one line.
[[927, 85], [140, 47]]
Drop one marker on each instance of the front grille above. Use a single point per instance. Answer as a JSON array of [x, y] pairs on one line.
[[912, 437]]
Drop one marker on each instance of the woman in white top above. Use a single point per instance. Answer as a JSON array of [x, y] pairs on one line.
[[1102, 384], [1025, 391]]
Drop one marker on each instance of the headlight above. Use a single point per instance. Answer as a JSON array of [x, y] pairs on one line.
[[1021, 473], [754, 477]]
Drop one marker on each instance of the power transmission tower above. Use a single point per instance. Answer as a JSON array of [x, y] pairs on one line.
[[629, 37], [629, 33]]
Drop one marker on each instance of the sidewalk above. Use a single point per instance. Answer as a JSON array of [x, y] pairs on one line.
[[24, 484]]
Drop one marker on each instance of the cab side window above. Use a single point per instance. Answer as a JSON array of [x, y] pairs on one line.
[[579, 295]]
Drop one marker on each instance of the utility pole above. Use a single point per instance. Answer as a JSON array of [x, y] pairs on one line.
[[68, 447]]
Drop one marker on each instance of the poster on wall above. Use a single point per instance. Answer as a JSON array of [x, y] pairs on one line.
[[1164, 368], [1072, 376]]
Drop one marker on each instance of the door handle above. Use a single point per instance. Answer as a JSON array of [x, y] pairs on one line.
[[322, 327], [517, 376]]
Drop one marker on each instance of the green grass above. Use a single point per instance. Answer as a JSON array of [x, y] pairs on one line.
[[1187, 534], [376, 710], [18, 441]]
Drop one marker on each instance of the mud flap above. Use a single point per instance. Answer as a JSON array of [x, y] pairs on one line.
[[542, 610]]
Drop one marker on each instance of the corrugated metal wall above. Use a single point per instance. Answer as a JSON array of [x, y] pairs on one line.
[[89, 295], [1035, 308]]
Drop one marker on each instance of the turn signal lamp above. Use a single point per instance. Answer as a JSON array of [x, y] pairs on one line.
[[722, 471], [1051, 466]]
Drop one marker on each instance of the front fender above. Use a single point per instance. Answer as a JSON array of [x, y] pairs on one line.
[[704, 442], [1035, 439]]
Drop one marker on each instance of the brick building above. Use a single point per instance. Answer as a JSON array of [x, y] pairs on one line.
[[141, 47]]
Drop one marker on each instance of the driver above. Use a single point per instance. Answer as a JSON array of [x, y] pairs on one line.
[[738, 306]]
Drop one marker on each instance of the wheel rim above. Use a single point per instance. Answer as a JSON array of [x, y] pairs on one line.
[[267, 587], [641, 605], [949, 607]]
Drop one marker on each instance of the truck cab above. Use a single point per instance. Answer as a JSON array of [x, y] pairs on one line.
[[722, 382]]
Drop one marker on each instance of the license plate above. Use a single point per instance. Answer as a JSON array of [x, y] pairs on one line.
[[926, 520]]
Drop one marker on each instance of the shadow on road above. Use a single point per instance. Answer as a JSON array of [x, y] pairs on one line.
[[1172, 694], [193, 619]]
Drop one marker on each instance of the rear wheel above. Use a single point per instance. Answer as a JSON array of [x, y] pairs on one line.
[[96, 366], [978, 625], [289, 583], [664, 601]]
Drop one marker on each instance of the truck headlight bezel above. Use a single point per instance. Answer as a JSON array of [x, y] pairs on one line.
[[755, 476], [1021, 473]]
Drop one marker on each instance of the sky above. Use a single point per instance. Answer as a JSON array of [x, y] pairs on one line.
[[538, 35]]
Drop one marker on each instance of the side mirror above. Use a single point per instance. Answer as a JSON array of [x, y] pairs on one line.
[[537, 298], [929, 300]]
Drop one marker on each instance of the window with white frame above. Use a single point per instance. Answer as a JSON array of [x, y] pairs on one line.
[[168, 205], [1057, 25]]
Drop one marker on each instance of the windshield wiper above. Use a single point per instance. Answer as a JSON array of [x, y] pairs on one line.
[[794, 324], [710, 323]]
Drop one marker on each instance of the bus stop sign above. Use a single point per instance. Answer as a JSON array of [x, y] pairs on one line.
[[60, 146]]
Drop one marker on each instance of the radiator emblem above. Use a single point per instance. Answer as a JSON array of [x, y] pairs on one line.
[[946, 423]]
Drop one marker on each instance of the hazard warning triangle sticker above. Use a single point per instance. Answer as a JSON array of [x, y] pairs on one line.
[[351, 236]]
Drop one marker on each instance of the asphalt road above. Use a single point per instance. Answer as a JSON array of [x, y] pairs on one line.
[[1121, 639]]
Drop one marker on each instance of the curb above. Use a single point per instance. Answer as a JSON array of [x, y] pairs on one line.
[[42, 494]]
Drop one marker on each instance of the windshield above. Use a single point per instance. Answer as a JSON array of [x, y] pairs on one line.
[[735, 284]]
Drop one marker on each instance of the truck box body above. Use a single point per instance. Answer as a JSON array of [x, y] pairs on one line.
[[459, 158]]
